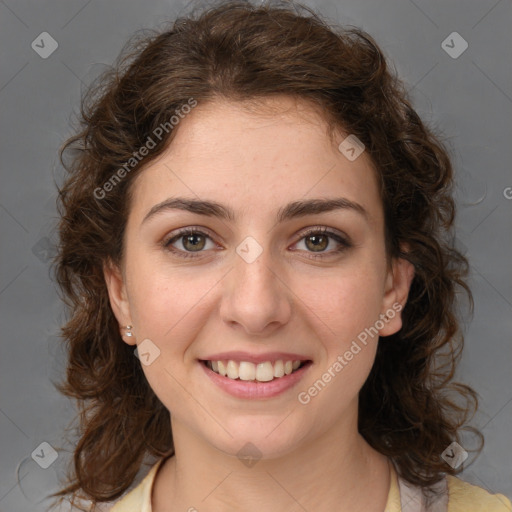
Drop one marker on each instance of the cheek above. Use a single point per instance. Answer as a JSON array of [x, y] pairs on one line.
[[167, 304], [168, 308], [332, 394], [342, 313], [346, 302]]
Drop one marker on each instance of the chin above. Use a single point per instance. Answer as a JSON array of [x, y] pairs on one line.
[[259, 440]]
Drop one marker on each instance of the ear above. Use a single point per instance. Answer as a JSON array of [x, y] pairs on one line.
[[118, 298], [398, 284]]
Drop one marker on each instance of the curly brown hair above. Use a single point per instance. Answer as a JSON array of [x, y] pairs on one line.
[[410, 409]]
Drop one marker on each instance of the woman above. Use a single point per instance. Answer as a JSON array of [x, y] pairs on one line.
[[254, 250]]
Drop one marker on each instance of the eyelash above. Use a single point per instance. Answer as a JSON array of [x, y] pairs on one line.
[[167, 243]]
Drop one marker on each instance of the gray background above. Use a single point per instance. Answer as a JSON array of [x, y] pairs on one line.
[[469, 98]]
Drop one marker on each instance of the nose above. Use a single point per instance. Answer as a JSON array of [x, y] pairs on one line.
[[255, 297]]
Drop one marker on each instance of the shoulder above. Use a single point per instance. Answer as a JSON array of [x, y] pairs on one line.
[[465, 497], [139, 498]]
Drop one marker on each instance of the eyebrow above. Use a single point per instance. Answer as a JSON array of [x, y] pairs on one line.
[[292, 210]]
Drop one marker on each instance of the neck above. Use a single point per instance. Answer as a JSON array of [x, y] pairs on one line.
[[333, 472]]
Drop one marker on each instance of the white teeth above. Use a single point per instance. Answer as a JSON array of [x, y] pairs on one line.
[[222, 368], [279, 369], [262, 372], [232, 370], [246, 371]]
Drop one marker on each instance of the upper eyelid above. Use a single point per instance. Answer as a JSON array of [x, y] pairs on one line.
[[328, 231], [184, 231]]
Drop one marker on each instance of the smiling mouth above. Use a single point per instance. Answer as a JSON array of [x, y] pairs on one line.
[[250, 372]]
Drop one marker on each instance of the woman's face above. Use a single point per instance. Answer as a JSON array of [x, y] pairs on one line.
[[262, 284]]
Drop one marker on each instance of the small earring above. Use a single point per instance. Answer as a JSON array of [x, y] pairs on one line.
[[128, 333]]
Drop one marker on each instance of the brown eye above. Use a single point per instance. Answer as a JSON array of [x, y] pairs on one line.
[[323, 243], [187, 242], [317, 242], [193, 242]]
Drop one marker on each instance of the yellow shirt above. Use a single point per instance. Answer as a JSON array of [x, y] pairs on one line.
[[462, 496]]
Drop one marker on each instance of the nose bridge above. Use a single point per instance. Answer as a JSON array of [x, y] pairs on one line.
[[255, 295]]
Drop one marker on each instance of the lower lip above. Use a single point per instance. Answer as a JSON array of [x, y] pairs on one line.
[[257, 390]]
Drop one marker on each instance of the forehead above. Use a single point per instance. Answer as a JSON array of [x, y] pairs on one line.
[[256, 157]]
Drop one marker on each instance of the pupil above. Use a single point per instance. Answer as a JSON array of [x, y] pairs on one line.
[[316, 241], [194, 244]]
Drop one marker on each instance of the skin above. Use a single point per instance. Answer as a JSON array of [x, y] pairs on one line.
[[256, 161]]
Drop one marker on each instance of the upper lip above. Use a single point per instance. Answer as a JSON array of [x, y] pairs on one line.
[[255, 358]]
